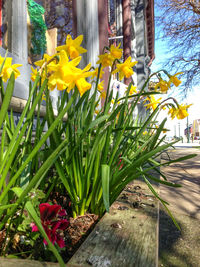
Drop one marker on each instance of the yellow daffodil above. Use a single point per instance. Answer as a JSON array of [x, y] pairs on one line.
[[66, 75], [95, 73], [58, 71], [45, 59], [173, 79], [44, 97], [133, 90], [163, 85], [182, 111], [125, 69], [103, 94], [153, 102], [106, 60], [33, 74], [82, 85], [8, 68], [172, 112], [145, 133], [116, 52], [101, 86], [72, 47]]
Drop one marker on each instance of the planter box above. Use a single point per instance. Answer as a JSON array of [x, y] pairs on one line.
[[126, 236]]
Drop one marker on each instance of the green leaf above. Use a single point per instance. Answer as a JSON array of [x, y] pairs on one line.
[[25, 175], [105, 175], [34, 181], [98, 121], [162, 201], [7, 98], [5, 207]]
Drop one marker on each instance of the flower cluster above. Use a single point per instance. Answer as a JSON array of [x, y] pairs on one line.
[[61, 69], [180, 112], [62, 72], [153, 103], [52, 222], [107, 59], [174, 110], [163, 85]]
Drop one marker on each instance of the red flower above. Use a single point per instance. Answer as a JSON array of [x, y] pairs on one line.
[[52, 222]]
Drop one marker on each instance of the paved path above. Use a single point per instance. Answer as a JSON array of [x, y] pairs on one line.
[[181, 248], [185, 200]]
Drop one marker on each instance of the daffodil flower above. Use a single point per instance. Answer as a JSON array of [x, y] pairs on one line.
[[153, 102], [172, 112], [103, 94], [72, 47], [67, 75], [106, 60], [33, 74], [101, 86], [163, 85], [46, 58], [173, 79], [95, 73], [125, 69], [116, 52], [8, 68], [133, 90], [180, 112]]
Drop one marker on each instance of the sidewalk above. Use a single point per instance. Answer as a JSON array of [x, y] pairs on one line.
[[181, 248]]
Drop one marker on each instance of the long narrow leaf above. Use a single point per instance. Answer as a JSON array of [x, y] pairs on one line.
[[7, 98], [105, 176]]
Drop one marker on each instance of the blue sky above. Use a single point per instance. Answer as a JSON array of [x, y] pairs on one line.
[[161, 55]]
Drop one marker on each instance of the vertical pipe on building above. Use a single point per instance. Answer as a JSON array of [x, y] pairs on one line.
[[103, 24], [126, 11]]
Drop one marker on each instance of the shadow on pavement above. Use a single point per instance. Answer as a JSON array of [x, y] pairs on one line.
[[179, 248]]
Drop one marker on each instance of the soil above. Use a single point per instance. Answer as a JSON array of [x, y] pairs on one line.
[[77, 232]]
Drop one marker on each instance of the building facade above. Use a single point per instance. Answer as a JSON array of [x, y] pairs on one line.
[[130, 22]]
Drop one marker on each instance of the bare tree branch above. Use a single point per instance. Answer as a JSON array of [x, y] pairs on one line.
[[179, 24]]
